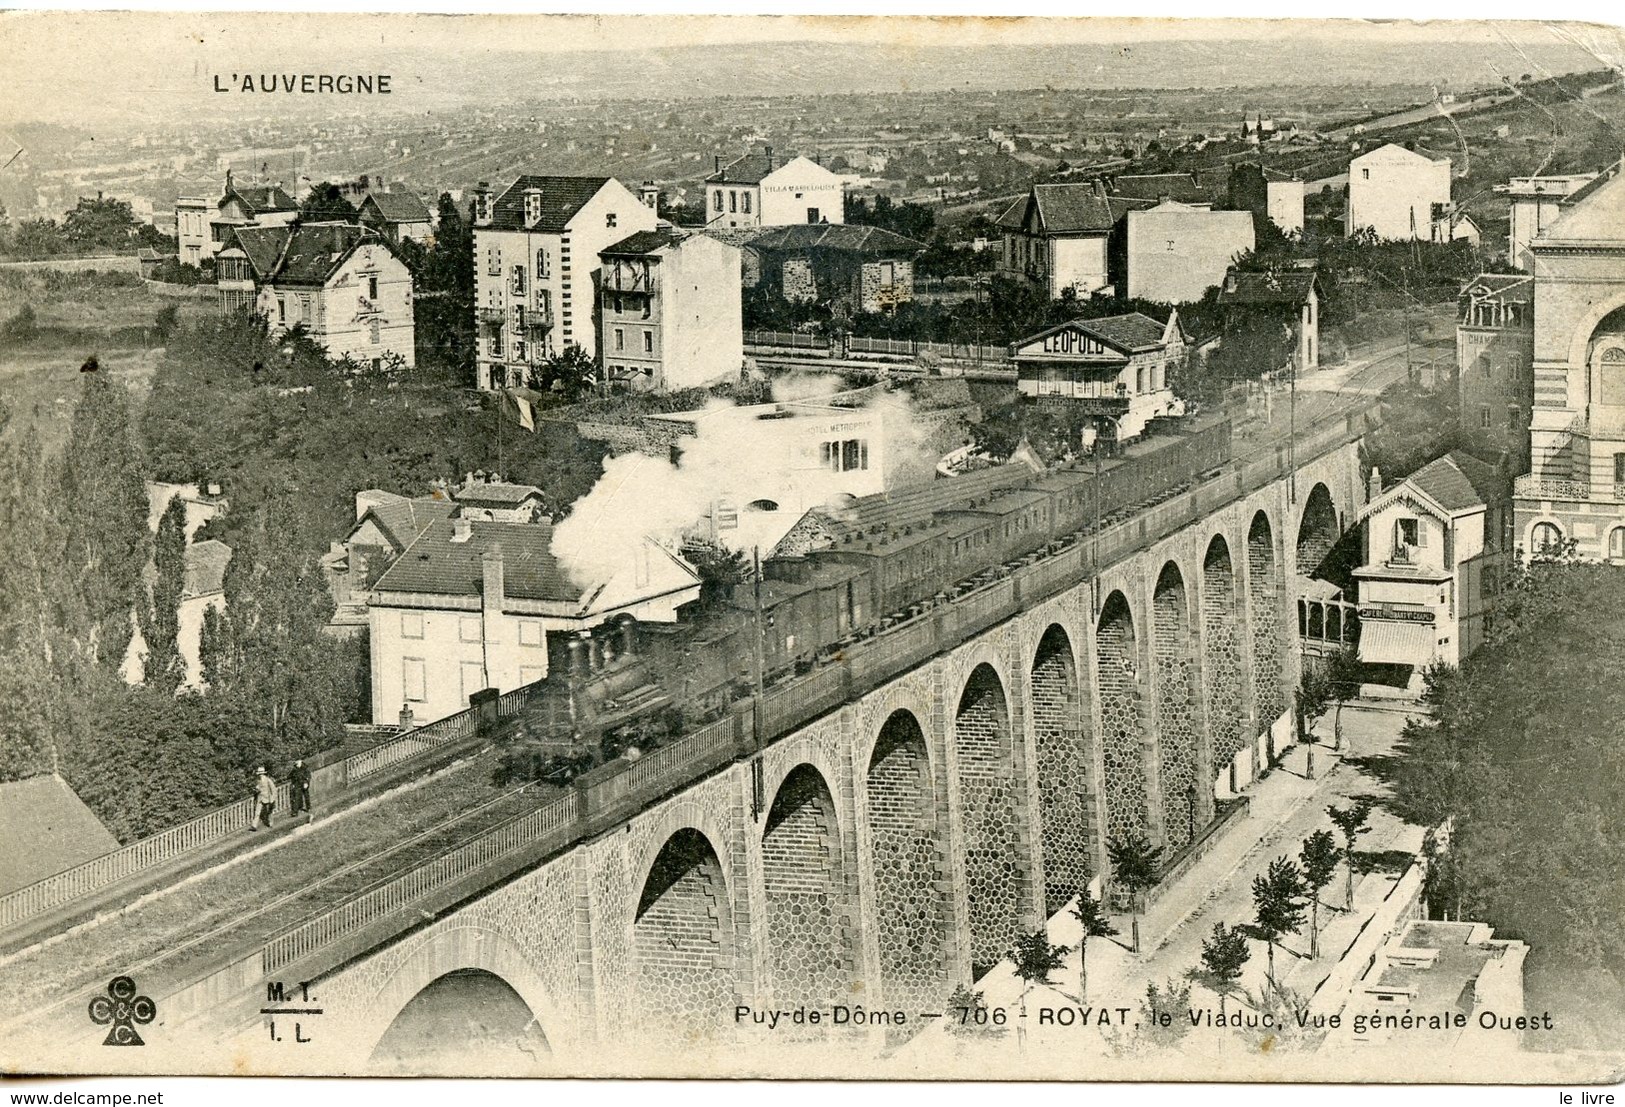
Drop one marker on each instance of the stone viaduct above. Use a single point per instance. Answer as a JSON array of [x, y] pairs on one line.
[[907, 837]]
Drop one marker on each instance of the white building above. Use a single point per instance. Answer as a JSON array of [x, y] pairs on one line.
[[472, 605], [1176, 252], [1434, 547], [759, 190], [1536, 204], [192, 235], [1398, 194], [1283, 200], [1115, 369], [671, 312], [536, 263], [1057, 236], [346, 285]]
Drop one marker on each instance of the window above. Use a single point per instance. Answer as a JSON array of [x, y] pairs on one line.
[[411, 624], [812, 215], [1139, 379], [844, 456], [1616, 544], [530, 633], [372, 287], [1365, 174], [541, 264], [468, 628], [519, 280], [1514, 419], [1611, 377], [648, 342], [609, 219], [1546, 538], [888, 273], [1407, 535], [472, 678], [733, 200], [620, 339], [281, 309], [716, 200], [744, 202], [412, 680]]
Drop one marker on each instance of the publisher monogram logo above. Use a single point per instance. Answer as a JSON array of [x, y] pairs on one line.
[[120, 1010]]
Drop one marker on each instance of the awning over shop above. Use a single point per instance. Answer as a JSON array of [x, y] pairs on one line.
[[1393, 643]]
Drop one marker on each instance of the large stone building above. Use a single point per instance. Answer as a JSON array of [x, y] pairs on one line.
[[1434, 558], [1268, 193], [345, 284], [1495, 350], [1062, 236], [1176, 251], [671, 315], [759, 190], [1115, 369], [1575, 490], [203, 227], [1399, 194], [856, 268], [536, 264]]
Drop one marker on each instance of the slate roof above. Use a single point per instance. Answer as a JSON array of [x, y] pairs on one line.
[[435, 564], [1290, 287], [562, 197], [488, 494], [46, 828], [398, 207], [749, 169], [259, 199], [646, 242], [206, 568], [1183, 187], [849, 238], [303, 254], [404, 519], [1459, 482], [1082, 207]]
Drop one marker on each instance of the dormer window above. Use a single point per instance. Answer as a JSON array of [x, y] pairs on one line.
[[533, 206]]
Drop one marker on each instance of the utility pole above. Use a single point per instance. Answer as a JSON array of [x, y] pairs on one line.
[[1292, 424]]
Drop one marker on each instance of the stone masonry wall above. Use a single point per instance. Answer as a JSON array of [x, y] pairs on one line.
[[1223, 626], [1122, 722], [809, 939], [1063, 772], [1176, 711]]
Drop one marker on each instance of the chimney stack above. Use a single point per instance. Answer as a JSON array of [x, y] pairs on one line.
[[769, 150], [649, 194], [491, 592], [716, 163], [482, 204], [462, 528], [1374, 487]]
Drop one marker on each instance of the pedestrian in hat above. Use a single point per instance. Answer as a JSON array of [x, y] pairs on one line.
[[264, 798], [299, 787]]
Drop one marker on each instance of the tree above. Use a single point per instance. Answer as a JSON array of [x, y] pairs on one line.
[[104, 506], [720, 569], [569, 375], [164, 668], [1318, 859], [1224, 955], [1343, 674], [1164, 1013], [1034, 959], [1351, 822], [99, 224], [1134, 869], [31, 687], [1091, 916], [325, 203], [1309, 704], [1277, 905]]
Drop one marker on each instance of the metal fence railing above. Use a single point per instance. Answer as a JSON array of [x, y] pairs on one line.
[[169, 845]]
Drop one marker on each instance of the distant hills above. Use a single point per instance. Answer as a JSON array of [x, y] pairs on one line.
[[788, 68]]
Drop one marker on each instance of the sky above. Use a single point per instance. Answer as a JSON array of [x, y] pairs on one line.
[[87, 65]]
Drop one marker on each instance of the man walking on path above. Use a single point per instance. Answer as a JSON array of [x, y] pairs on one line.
[[265, 796], [299, 787]]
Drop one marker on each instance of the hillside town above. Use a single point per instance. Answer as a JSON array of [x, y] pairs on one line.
[[552, 469]]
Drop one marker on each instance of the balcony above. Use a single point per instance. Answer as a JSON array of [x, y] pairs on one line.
[[1531, 487], [496, 316], [539, 318]]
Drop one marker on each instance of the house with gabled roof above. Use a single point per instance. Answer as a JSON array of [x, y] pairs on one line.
[[471, 605], [398, 216], [344, 283], [1435, 560], [1292, 295], [1063, 236], [863, 268], [536, 268], [1114, 369], [761, 190]]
